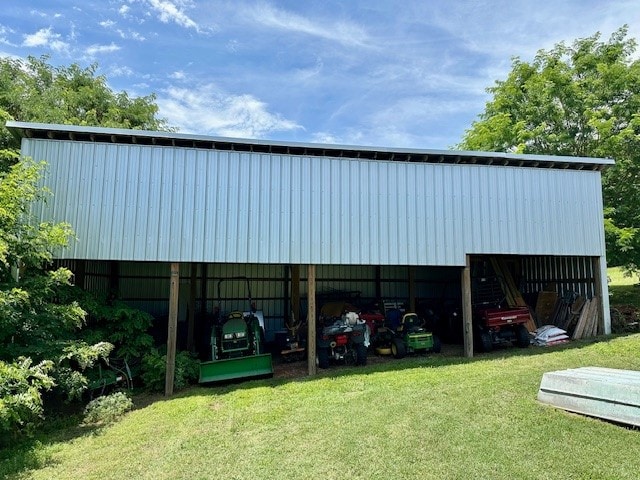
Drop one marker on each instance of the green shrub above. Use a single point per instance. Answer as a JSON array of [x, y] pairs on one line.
[[154, 367], [112, 321], [21, 386], [108, 408]]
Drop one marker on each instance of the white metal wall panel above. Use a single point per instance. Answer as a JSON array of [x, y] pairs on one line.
[[157, 203]]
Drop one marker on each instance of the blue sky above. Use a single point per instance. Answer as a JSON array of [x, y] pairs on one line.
[[409, 73]]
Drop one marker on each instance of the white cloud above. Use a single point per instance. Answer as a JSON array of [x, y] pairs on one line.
[[120, 71], [40, 38], [207, 109], [94, 50], [130, 35], [346, 33], [59, 46], [325, 137], [107, 23], [136, 36], [124, 10], [178, 75], [45, 37], [171, 12]]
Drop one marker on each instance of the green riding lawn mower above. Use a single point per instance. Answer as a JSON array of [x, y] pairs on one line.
[[404, 333]]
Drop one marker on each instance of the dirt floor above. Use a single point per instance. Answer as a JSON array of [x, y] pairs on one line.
[[298, 368]]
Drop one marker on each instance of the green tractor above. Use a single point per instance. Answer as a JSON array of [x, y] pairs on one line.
[[237, 346], [405, 334]]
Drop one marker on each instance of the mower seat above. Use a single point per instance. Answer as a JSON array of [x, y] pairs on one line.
[[411, 323]]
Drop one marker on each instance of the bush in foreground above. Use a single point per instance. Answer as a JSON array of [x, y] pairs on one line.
[[108, 408]]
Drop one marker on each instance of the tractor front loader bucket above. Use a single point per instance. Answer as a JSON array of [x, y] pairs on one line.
[[233, 368]]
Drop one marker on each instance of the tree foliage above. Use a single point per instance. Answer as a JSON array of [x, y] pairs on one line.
[[581, 99], [33, 90], [21, 384], [44, 340], [39, 324]]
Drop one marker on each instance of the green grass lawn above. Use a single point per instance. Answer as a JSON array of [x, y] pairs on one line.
[[430, 417], [623, 289]]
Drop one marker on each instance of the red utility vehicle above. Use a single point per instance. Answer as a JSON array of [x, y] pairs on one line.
[[502, 325]]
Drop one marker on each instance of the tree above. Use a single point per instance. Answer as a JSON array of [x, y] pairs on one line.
[[32, 90], [38, 327], [42, 345], [578, 100]]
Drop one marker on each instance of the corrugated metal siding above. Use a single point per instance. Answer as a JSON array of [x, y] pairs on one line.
[[567, 274], [148, 203]]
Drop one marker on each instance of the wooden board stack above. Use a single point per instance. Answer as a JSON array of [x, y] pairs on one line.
[[512, 294], [589, 320]]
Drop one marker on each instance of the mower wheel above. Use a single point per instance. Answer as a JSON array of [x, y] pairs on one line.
[[323, 357], [398, 348], [486, 344], [437, 344], [361, 354], [522, 336]]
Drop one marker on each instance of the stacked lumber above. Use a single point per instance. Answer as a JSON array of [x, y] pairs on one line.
[[512, 293], [572, 313], [568, 311], [589, 321]]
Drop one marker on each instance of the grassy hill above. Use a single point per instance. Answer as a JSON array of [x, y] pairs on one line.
[[423, 417]]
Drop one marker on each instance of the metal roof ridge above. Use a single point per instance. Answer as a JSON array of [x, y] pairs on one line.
[[132, 133]]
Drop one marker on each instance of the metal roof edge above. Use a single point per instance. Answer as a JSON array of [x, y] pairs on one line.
[[21, 128]]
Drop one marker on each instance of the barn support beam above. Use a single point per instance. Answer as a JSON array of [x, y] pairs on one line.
[[601, 289], [311, 319], [172, 327], [467, 315]]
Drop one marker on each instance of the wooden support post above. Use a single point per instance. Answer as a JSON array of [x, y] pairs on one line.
[[467, 314], [295, 292], [600, 289], [379, 284], [412, 289], [311, 319], [172, 327], [192, 307]]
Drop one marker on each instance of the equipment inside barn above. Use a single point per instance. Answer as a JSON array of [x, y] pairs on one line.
[[237, 345]]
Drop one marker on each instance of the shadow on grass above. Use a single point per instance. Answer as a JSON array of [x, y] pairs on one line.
[[30, 453]]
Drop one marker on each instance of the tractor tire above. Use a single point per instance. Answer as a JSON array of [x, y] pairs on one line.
[[486, 343], [398, 348], [361, 354], [437, 344], [522, 336], [323, 357]]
